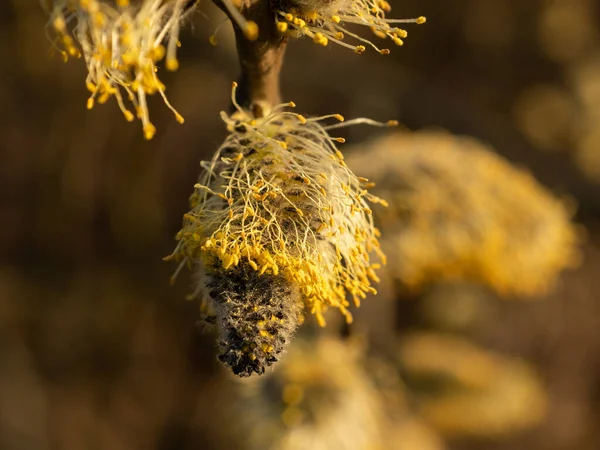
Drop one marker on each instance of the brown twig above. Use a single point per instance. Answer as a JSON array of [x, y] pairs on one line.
[[260, 59]]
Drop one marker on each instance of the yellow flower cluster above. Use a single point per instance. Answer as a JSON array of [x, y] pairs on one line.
[[122, 44], [323, 21], [278, 196], [459, 211]]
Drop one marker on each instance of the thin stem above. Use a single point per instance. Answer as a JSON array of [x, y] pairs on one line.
[[260, 59]]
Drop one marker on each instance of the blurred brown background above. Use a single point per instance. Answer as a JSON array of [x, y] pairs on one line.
[[98, 352]]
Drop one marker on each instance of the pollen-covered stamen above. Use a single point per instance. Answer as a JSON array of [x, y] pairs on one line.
[[323, 21], [279, 195], [122, 44]]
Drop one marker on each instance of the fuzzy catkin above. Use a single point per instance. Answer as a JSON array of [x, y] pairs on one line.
[[280, 222], [458, 211], [123, 43], [323, 21], [471, 391], [319, 398]]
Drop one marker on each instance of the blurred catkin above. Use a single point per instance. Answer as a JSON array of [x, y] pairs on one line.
[[277, 206], [327, 395], [318, 398], [122, 43], [459, 211], [464, 390]]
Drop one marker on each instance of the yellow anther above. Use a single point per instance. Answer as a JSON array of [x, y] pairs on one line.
[[265, 347], [149, 131], [282, 27], [157, 53], [251, 30], [384, 5], [59, 24], [319, 38], [299, 22], [172, 64]]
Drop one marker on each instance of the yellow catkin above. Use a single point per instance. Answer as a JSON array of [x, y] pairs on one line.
[[458, 211], [493, 395], [324, 22], [123, 46]]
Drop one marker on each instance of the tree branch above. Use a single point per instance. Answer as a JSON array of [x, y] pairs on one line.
[[260, 59]]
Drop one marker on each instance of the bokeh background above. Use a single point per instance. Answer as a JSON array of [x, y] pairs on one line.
[[97, 351]]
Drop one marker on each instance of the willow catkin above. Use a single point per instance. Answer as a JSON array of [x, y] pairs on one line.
[[277, 222], [323, 21], [471, 391], [458, 211], [122, 43], [327, 394], [320, 398]]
